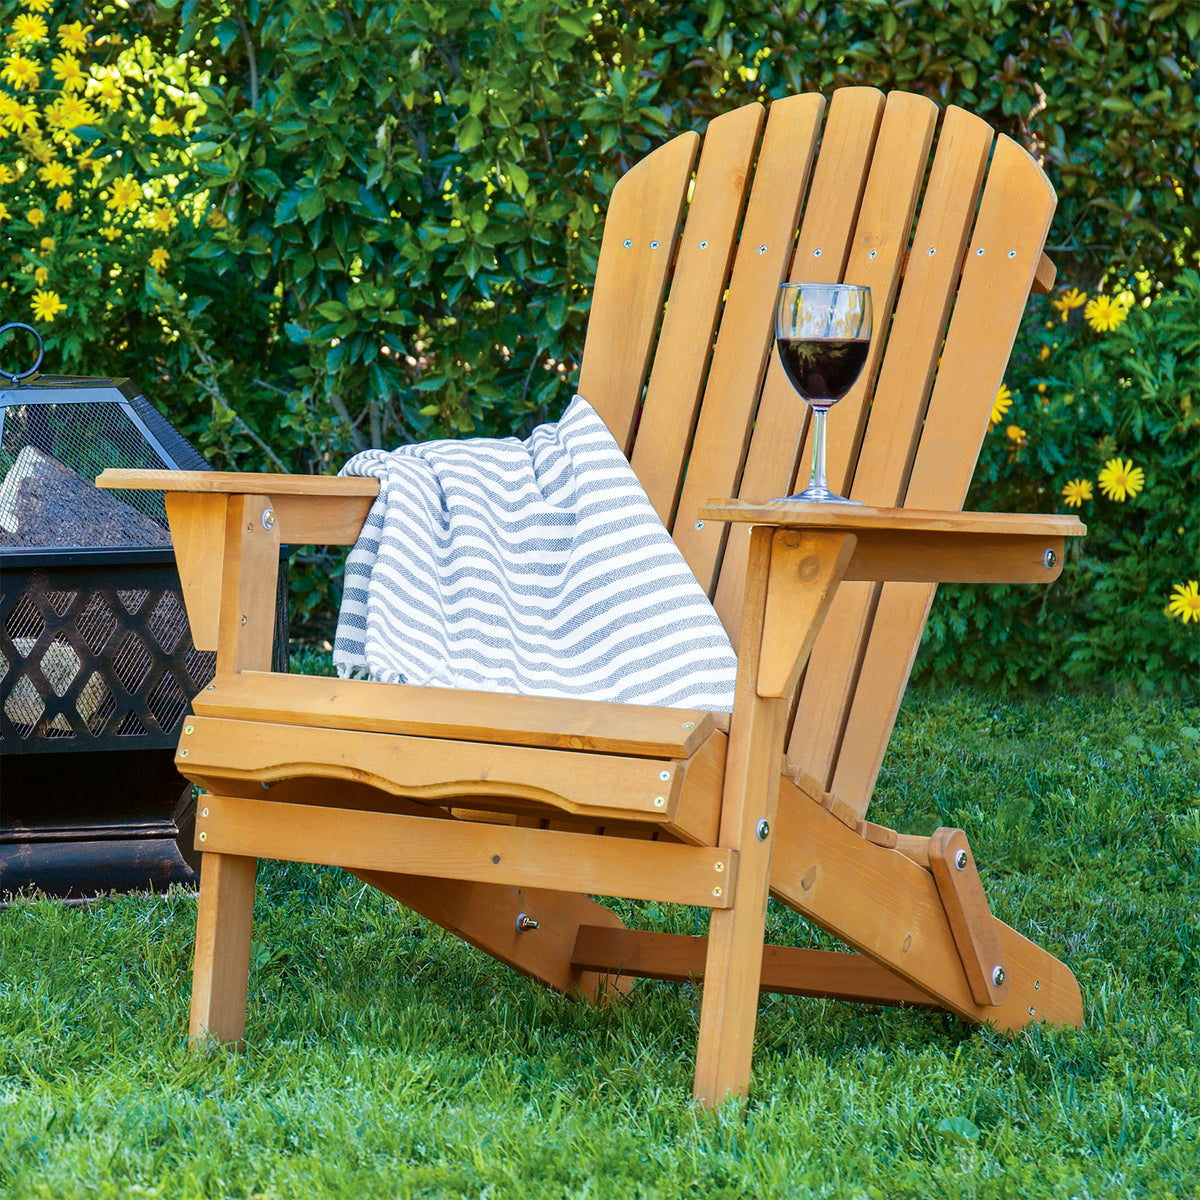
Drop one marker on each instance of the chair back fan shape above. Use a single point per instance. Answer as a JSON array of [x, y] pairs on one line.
[[945, 224]]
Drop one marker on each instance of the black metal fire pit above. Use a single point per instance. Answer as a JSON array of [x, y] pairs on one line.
[[97, 664]]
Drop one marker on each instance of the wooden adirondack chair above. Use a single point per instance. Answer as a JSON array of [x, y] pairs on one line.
[[498, 819]]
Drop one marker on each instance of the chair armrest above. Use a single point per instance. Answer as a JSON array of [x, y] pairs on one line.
[[904, 545]]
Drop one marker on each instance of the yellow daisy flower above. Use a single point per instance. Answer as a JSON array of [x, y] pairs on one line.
[[159, 259], [20, 116], [20, 71], [1104, 313], [164, 126], [30, 28], [46, 305], [37, 6], [69, 111], [1069, 300], [161, 218], [1185, 601], [216, 219], [57, 174], [46, 245], [124, 193], [72, 35], [1076, 491], [1001, 404], [68, 72], [35, 217], [64, 202], [7, 174], [5, 215], [40, 276], [1015, 434], [108, 90], [111, 232], [1121, 480]]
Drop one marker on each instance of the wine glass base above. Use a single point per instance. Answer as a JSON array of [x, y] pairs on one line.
[[820, 495]]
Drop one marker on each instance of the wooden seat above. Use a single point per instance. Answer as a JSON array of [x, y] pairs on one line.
[[500, 817]]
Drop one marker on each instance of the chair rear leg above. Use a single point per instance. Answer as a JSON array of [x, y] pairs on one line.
[[222, 963]]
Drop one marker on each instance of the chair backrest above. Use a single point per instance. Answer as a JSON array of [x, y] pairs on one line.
[[679, 357]]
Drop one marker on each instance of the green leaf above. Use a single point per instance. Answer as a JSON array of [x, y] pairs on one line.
[[573, 25], [716, 14], [470, 133], [334, 310], [958, 1129]]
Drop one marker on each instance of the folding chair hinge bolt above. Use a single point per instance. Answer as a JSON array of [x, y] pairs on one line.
[[997, 976], [525, 923], [268, 518], [960, 860], [762, 829], [1050, 559]]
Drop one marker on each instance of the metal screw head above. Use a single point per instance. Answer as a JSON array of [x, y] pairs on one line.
[[762, 249], [718, 866], [960, 860], [664, 775], [659, 801], [703, 245], [183, 754], [189, 729], [654, 244], [763, 830], [931, 251], [699, 524], [689, 724], [1037, 983], [525, 923], [979, 252], [997, 975], [243, 620], [627, 243], [212, 687], [872, 253], [716, 891], [816, 254], [268, 518], [204, 812], [203, 837], [1012, 254], [1050, 559]]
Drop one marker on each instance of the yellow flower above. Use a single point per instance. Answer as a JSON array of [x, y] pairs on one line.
[[216, 219], [1185, 601], [68, 72], [159, 259], [20, 71], [111, 232], [125, 193], [1076, 491], [20, 116], [41, 275], [1069, 300], [161, 218], [26, 27], [38, 147], [46, 245], [1120, 480], [108, 90], [1015, 434], [1001, 404], [5, 215], [7, 174], [73, 36], [1104, 313], [45, 305], [57, 174], [164, 126], [69, 111], [64, 202], [1044, 353], [35, 217], [37, 6]]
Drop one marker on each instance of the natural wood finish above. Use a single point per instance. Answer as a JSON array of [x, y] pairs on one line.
[[786, 970], [238, 483], [631, 278], [198, 536], [735, 935], [445, 712], [222, 957], [883, 905], [435, 769], [915, 847], [1043, 279], [971, 921], [249, 576], [321, 520], [806, 568], [668, 416], [880, 835], [746, 338], [372, 841]]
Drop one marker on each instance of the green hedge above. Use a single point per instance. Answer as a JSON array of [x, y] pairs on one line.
[[389, 213]]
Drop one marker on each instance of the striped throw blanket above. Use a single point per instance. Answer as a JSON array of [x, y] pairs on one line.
[[537, 567]]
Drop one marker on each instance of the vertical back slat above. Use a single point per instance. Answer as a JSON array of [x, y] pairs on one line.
[[1005, 249], [890, 440], [644, 211], [745, 338], [829, 215], [706, 249]]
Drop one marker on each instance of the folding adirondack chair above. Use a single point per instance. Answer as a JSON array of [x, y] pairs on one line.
[[499, 818]]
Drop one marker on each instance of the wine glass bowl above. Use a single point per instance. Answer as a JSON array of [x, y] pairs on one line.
[[823, 332]]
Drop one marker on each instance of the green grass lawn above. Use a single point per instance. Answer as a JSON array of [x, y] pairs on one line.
[[385, 1059]]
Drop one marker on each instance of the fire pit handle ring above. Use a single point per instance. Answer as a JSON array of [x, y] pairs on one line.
[[16, 378]]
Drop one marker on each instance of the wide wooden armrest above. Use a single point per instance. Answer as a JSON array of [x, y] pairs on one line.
[[906, 545]]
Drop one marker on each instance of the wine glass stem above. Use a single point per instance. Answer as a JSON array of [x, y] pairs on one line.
[[817, 478]]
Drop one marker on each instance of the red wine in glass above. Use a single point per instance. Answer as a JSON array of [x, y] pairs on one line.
[[823, 331]]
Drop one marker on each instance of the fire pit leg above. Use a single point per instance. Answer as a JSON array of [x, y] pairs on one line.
[[222, 964]]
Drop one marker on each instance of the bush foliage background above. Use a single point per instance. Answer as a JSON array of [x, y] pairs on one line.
[[389, 212]]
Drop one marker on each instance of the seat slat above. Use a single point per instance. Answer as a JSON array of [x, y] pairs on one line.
[[706, 251], [321, 702]]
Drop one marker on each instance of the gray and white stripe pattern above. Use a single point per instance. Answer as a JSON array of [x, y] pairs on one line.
[[538, 567]]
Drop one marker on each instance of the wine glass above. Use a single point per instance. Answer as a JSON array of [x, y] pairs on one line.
[[823, 331]]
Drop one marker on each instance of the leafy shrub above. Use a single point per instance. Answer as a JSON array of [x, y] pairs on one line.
[[1083, 399]]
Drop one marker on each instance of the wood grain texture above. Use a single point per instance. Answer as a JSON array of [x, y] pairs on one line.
[[786, 970], [198, 536], [546, 721], [636, 252], [249, 578], [515, 857], [238, 483]]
